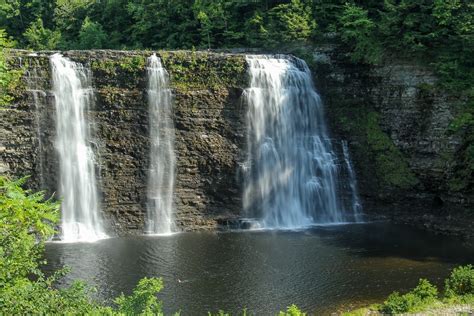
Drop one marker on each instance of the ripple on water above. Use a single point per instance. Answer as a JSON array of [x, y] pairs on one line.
[[322, 269]]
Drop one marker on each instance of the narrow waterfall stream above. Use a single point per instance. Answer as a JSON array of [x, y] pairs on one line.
[[161, 175], [39, 97], [291, 169], [77, 184], [356, 205]]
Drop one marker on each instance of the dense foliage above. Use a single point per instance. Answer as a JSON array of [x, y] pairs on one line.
[[458, 291], [27, 220], [9, 78], [421, 296], [461, 283]]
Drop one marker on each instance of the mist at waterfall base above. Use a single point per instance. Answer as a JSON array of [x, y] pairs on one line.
[[321, 270], [292, 176], [80, 219]]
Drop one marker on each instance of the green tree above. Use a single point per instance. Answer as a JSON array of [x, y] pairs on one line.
[[358, 33], [205, 27], [69, 16], [256, 32], [40, 38], [8, 78], [17, 15], [143, 300], [408, 25], [163, 24], [326, 12], [290, 22], [91, 35], [27, 220], [115, 20]]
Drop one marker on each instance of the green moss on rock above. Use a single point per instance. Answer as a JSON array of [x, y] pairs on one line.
[[191, 70], [129, 64], [13, 87], [126, 71], [374, 146], [391, 166]]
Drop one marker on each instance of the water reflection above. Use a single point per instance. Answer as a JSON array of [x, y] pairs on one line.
[[320, 269]]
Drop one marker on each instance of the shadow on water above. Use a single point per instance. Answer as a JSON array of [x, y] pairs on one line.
[[380, 239], [322, 269]]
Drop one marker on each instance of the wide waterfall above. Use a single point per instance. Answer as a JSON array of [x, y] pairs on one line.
[[291, 169], [162, 158], [77, 184]]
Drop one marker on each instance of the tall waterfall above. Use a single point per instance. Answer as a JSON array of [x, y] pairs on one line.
[[161, 175], [291, 169], [356, 205], [77, 184]]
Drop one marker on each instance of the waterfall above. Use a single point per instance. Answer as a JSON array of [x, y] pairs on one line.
[[356, 206], [291, 170], [161, 175], [77, 184], [38, 99]]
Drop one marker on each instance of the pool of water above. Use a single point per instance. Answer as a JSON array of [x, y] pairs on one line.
[[322, 269]]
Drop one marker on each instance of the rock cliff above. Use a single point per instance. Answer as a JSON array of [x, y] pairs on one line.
[[209, 120], [396, 122]]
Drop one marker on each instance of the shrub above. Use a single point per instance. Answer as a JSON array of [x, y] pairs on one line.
[[292, 310], [425, 291], [26, 221], [460, 282], [423, 294], [397, 303], [143, 299]]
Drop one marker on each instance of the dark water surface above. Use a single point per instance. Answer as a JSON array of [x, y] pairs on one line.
[[322, 270]]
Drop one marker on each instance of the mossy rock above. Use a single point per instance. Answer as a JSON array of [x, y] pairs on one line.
[[191, 70]]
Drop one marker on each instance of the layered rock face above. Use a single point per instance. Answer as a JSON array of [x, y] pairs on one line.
[[210, 132], [398, 124], [394, 118]]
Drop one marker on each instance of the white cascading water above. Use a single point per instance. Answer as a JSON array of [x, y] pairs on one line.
[[356, 206], [80, 218], [291, 170], [161, 175]]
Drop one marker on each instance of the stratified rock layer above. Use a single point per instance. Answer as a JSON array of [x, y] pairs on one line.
[[395, 120], [210, 132]]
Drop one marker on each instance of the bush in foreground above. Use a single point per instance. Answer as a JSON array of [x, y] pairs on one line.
[[422, 295], [27, 220], [461, 282], [459, 289]]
